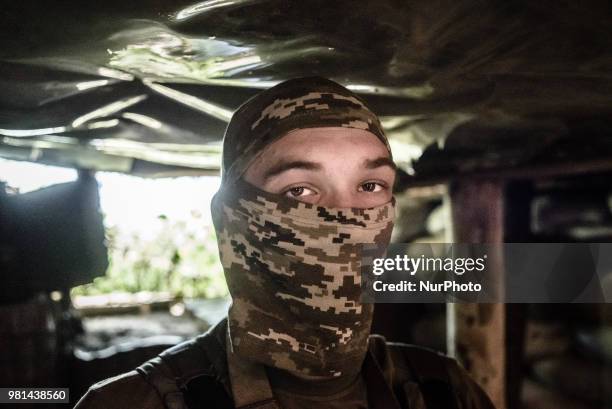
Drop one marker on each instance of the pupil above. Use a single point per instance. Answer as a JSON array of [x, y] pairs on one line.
[[296, 191], [368, 187]]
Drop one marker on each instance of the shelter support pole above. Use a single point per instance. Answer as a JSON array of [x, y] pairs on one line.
[[476, 333]]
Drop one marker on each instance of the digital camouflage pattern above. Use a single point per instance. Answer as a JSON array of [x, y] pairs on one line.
[[293, 270], [300, 103]]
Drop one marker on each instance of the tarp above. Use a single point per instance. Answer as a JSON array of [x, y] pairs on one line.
[[147, 86]]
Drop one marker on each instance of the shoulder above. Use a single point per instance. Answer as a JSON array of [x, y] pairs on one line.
[[128, 390], [404, 363], [157, 383]]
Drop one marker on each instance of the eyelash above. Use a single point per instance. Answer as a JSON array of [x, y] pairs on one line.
[[382, 185], [289, 191]]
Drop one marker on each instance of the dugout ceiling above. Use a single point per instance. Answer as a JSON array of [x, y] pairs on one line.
[[147, 87]]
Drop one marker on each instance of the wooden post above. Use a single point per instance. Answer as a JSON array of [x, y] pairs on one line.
[[476, 333]]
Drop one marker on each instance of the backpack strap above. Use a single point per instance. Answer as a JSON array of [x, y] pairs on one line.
[[156, 374], [191, 374], [380, 394], [430, 370], [250, 385]]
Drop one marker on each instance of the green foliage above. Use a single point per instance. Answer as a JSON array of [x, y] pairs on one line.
[[180, 257]]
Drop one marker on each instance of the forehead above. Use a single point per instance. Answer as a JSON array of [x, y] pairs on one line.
[[339, 140]]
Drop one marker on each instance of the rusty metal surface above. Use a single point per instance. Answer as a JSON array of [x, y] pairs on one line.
[[124, 85]]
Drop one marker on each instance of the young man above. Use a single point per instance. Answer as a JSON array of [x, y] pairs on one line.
[[307, 177]]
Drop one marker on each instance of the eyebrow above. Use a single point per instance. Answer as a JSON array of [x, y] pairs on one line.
[[285, 166], [308, 165], [378, 162]]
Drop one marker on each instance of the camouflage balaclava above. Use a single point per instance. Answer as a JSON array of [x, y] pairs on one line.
[[292, 268]]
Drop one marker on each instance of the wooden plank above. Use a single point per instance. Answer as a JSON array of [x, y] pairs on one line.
[[477, 332], [532, 172]]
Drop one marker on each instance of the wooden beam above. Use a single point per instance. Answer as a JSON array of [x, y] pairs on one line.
[[477, 332], [532, 172]]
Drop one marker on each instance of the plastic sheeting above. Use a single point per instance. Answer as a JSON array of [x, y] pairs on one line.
[[147, 87], [51, 239]]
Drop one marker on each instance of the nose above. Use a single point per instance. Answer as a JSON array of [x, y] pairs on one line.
[[339, 198]]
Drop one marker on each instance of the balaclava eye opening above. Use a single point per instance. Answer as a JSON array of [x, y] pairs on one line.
[[310, 102], [292, 268]]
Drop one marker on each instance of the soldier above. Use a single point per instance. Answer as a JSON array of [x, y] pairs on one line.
[[307, 177]]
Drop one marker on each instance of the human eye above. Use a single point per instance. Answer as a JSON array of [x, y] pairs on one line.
[[299, 191], [372, 187]]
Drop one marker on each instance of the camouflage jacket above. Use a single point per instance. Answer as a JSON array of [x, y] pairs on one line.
[[194, 374]]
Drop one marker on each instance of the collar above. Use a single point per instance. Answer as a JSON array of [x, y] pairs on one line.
[[251, 387]]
